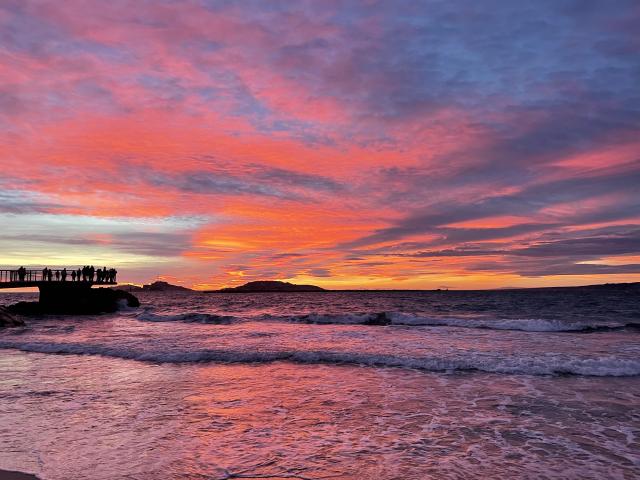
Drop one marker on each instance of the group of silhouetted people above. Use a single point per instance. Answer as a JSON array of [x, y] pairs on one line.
[[101, 275], [87, 273], [18, 275]]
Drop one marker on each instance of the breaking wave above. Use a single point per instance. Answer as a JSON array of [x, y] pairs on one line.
[[186, 318], [549, 364], [397, 318]]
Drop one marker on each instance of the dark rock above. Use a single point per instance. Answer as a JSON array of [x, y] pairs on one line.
[[91, 301], [11, 475], [126, 297], [271, 286], [25, 308], [8, 319], [102, 300]]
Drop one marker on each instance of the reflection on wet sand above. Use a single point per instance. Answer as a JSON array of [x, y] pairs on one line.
[[129, 419]]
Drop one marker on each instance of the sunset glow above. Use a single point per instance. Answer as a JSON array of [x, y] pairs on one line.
[[350, 144]]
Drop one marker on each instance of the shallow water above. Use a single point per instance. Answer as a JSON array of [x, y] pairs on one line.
[[299, 386]]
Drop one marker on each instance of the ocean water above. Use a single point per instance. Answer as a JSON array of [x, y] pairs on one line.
[[502, 384]]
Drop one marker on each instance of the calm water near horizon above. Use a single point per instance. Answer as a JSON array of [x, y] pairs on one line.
[[496, 384]]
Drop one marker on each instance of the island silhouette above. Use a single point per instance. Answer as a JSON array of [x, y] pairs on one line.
[[269, 286], [250, 287]]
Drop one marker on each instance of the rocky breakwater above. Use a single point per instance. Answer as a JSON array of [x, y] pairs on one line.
[[91, 301], [8, 319]]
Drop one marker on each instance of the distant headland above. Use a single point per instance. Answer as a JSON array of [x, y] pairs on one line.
[[154, 287], [251, 287], [269, 286]]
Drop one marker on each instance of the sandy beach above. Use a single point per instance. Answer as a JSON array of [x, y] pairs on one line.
[[353, 385]]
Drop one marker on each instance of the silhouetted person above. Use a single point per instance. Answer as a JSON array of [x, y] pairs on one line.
[[92, 272], [85, 273], [44, 274], [114, 272], [78, 274], [64, 274], [21, 273], [57, 275], [73, 275], [49, 274]]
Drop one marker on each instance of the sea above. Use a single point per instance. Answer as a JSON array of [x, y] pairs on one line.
[[509, 384]]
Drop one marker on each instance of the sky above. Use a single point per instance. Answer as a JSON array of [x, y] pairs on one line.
[[347, 144]]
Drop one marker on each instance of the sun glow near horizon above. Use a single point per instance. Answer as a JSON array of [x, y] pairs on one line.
[[420, 145]]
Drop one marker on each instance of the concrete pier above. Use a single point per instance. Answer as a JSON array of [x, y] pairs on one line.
[[55, 296], [58, 295]]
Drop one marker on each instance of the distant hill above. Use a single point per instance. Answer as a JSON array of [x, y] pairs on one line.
[[270, 286], [127, 287], [164, 287], [154, 287]]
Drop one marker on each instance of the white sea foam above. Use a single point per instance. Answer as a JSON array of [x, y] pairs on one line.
[[397, 318], [521, 324], [123, 306], [342, 319], [549, 364]]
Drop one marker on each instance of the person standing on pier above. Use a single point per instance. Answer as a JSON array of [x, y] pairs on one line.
[[64, 274], [78, 274], [73, 275]]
